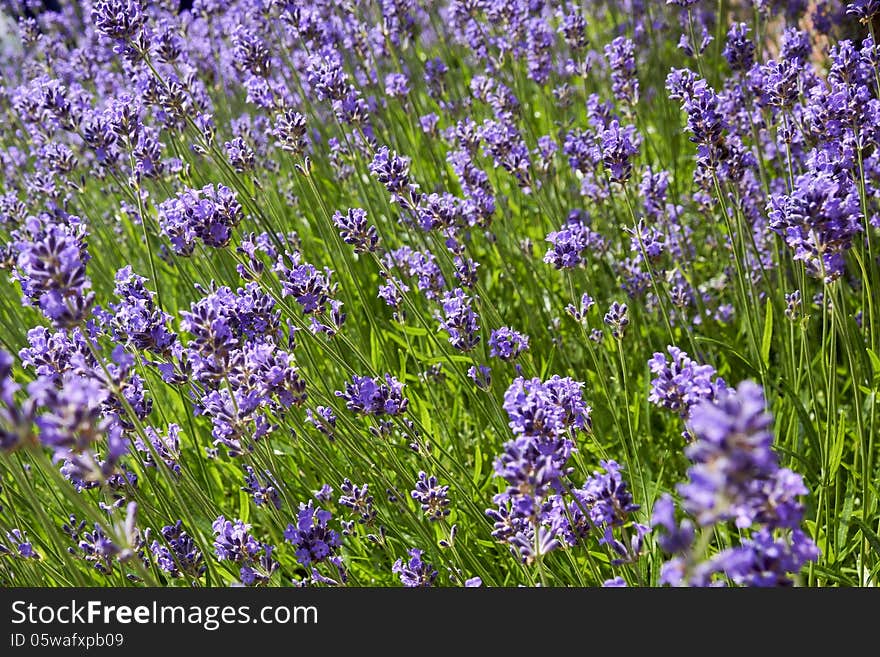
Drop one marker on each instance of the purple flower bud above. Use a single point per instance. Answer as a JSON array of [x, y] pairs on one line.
[[370, 397], [414, 572], [507, 344], [118, 19], [312, 539], [433, 498], [354, 230], [208, 214]]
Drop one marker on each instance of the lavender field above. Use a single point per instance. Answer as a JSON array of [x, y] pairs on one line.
[[442, 293]]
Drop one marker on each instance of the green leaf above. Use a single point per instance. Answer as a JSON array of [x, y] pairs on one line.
[[478, 464], [869, 534], [875, 365], [803, 414], [374, 350], [836, 454], [728, 348], [846, 518], [417, 331], [426, 419], [244, 506], [834, 576], [768, 334]]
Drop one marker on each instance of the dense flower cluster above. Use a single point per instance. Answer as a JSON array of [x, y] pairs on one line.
[[534, 512], [371, 397], [414, 572], [819, 220], [311, 538], [507, 344], [681, 383], [234, 542], [205, 215], [51, 268], [433, 498], [735, 477], [255, 252], [179, 556]]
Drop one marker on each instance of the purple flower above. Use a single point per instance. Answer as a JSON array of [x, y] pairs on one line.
[[234, 542], [620, 54], [359, 500], [429, 122], [735, 476], [418, 264], [73, 417], [354, 230], [180, 556], [739, 51], [396, 85], [582, 150], [433, 498], [680, 382], [324, 493], [290, 131], [731, 452], [52, 270], [392, 171], [435, 70], [95, 546], [617, 318], [507, 344], [571, 242], [607, 497], [579, 313], [777, 82], [118, 19], [241, 155], [313, 540], [327, 77], [262, 488], [765, 561], [481, 375], [208, 215], [271, 374], [505, 145], [546, 410], [309, 286], [370, 397], [818, 220], [605, 504], [136, 318], [250, 53], [618, 148], [414, 572], [573, 28], [460, 320], [543, 417], [795, 45], [864, 10], [166, 447], [15, 420], [233, 333], [706, 119], [676, 537], [323, 419], [532, 544], [18, 545]]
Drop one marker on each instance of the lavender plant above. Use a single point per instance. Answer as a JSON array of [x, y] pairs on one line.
[[448, 293]]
